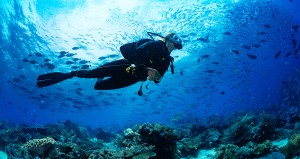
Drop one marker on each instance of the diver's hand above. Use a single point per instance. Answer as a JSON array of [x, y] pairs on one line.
[[153, 74]]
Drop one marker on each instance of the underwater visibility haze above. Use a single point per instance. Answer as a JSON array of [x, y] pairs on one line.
[[238, 57]]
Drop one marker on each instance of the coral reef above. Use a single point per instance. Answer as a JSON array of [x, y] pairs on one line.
[[71, 141], [65, 140], [250, 128], [162, 138], [45, 148], [250, 150], [190, 144], [135, 152], [39, 146], [293, 147], [103, 135], [243, 136]]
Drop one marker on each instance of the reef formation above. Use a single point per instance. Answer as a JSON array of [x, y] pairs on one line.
[[242, 136]]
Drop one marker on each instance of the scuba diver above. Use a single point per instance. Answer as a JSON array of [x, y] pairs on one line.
[[144, 59]]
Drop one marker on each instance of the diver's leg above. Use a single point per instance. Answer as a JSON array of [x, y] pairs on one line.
[[116, 82], [107, 70]]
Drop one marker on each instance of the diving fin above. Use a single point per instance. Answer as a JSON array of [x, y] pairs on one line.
[[52, 78]]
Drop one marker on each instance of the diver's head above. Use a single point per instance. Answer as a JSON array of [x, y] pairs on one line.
[[173, 41]]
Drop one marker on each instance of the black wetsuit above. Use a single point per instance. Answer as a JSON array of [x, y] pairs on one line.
[[143, 54]]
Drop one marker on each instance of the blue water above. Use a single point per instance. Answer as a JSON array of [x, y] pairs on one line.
[[222, 84]]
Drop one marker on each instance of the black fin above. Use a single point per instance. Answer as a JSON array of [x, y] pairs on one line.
[[51, 78]]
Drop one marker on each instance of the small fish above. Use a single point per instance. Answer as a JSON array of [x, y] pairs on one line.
[[267, 25], [235, 51], [50, 66], [294, 42], [288, 54], [70, 54], [43, 96], [39, 54], [75, 67], [63, 52], [181, 72], [210, 71], [76, 48], [246, 47], [227, 33], [102, 58], [83, 62], [85, 66], [33, 62], [250, 16], [262, 33], [216, 63], [256, 45], [204, 56], [76, 59], [70, 62], [262, 41], [277, 54], [25, 60], [204, 39], [61, 56], [223, 93], [252, 56], [47, 60]]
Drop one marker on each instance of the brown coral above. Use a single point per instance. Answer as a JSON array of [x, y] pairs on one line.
[[39, 146]]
